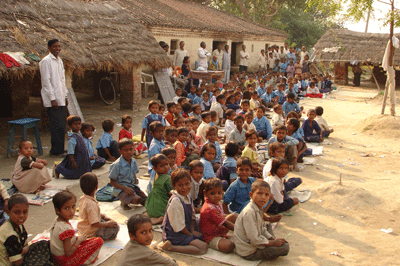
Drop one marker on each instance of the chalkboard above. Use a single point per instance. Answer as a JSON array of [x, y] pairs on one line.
[[73, 105], [165, 85]]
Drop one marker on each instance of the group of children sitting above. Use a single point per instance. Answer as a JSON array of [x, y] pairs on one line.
[[188, 174]]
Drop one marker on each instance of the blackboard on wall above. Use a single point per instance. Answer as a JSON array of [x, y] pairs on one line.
[[165, 85]]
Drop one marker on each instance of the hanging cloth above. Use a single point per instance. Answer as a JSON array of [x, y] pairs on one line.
[[8, 60], [19, 57]]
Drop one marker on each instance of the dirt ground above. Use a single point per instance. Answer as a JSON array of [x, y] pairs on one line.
[[344, 218]]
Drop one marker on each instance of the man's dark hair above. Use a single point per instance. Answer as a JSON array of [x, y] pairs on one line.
[[51, 42]]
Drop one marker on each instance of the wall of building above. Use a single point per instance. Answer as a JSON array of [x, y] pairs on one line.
[[192, 44]]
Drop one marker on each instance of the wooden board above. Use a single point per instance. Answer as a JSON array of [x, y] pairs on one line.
[[165, 85], [73, 105]]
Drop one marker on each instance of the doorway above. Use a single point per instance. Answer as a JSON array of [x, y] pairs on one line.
[[235, 55]]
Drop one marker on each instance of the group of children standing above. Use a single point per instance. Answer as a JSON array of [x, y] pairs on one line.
[[188, 173]]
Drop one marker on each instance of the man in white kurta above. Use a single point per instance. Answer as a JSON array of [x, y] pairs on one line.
[[218, 53], [226, 63], [203, 56], [54, 95], [261, 61], [244, 59], [179, 54]]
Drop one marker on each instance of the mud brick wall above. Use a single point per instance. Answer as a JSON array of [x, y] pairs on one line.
[[131, 90]]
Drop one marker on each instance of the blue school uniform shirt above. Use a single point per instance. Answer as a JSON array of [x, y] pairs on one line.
[[208, 169], [297, 135], [267, 97], [290, 141], [291, 55], [304, 84], [237, 195], [197, 100], [191, 96], [296, 88], [288, 91], [218, 153], [288, 107], [212, 124], [155, 148], [282, 67], [124, 173], [263, 124], [261, 90], [280, 94], [230, 162], [71, 143], [89, 147], [145, 123], [104, 141], [308, 130]]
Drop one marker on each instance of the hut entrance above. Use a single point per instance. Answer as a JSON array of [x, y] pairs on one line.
[[236, 48], [5, 98], [215, 44]]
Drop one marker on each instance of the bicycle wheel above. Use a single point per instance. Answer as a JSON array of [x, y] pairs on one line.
[[107, 90]]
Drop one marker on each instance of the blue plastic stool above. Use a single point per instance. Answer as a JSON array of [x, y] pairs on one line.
[[24, 123]]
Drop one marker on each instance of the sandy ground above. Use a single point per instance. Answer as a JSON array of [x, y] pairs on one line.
[[346, 218]]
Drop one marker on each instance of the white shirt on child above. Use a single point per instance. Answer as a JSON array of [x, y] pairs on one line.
[[322, 123], [201, 131], [249, 126], [176, 212], [276, 120], [194, 191], [217, 107], [229, 126], [314, 90], [276, 185]]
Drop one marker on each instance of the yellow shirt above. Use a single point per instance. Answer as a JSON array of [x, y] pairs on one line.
[[89, 213], [250, 153]]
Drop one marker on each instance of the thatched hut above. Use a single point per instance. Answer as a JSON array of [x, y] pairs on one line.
[[173, 21], [100, 36], [341, 46]]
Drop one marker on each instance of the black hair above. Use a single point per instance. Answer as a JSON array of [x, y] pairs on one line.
[[220, 97], [177, 119], [180, 100], [154, 125], [194, 164], [170, 130], [179, 174], [249, 113], [232, 148], [182, 130], [61, 198], [161, 107], [281, 127], [194, 107], [168, 150], [187, 107], [294, 122], [262, 108], [88, 183], [276, 106], [170, 104], [259, 184], [161, 43], [85, 126], [206, 147], [291, 95], [292, 113], [246, 95], [311, 84], [136, 221], [151, 103], [124, 142], [276, 163], [319, 110], [213, 113], [51, 42], [22, 143], [244, 161], [230, 97], [156, 159], [185, 59], [274, 146], [205, 114], [311, 111], [72, 119], [107, 125], [16, 199], [212, 183], [126, 117], [211, 130], [250, 133], [245, 102], [238, 117], [230, 112]]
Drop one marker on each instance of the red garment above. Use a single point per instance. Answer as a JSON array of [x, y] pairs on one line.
[[318, 95], [170, 118], [185, 115], [85, 250], [8, 60], [125, 134], [211, 221], [180, 152]]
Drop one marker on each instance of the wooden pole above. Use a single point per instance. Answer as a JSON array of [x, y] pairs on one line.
[[366, 26], [392, 88], [372, 73]]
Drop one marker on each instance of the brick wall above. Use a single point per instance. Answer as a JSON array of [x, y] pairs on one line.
[[131, 92]]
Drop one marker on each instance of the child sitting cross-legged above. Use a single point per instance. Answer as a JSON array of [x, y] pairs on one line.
[[313, 91], [227, 171], [157, 200], [65, 247], [87, 133], [290, 146], [183, 155], [212, 137], [196, 169], [179, 225], [326, 130], [250, 152], [214, 224], [207, 155], [140, 231], [30, 174], [263, 126], [126, 131], [76, 162], [290, 105], [237, 195], [106, 146], [123, 176], [238, 133], [312, 131], [279, 188], [254, 240], [91, 222], [293, 126]]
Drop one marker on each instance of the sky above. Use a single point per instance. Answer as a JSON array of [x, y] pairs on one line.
[[375, 26]]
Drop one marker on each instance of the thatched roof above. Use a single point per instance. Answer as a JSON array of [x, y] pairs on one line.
[[180, 14], [345, 45], [94, 35]]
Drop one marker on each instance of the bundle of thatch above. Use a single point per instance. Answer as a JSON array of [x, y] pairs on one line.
[[93, 35], [341, 45]]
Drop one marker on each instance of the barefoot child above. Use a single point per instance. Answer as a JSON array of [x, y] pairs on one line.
[[282, 201], [250, 152], [126, 131], [214, 224], [65, 247], [77, 162], [293, 126], [157, 144], [87, 133], [123, 176], [30, 174], [141, 235], [237, 195], [91, 222], [179, 225], [160, 193], [106, 146], [252, 239]]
